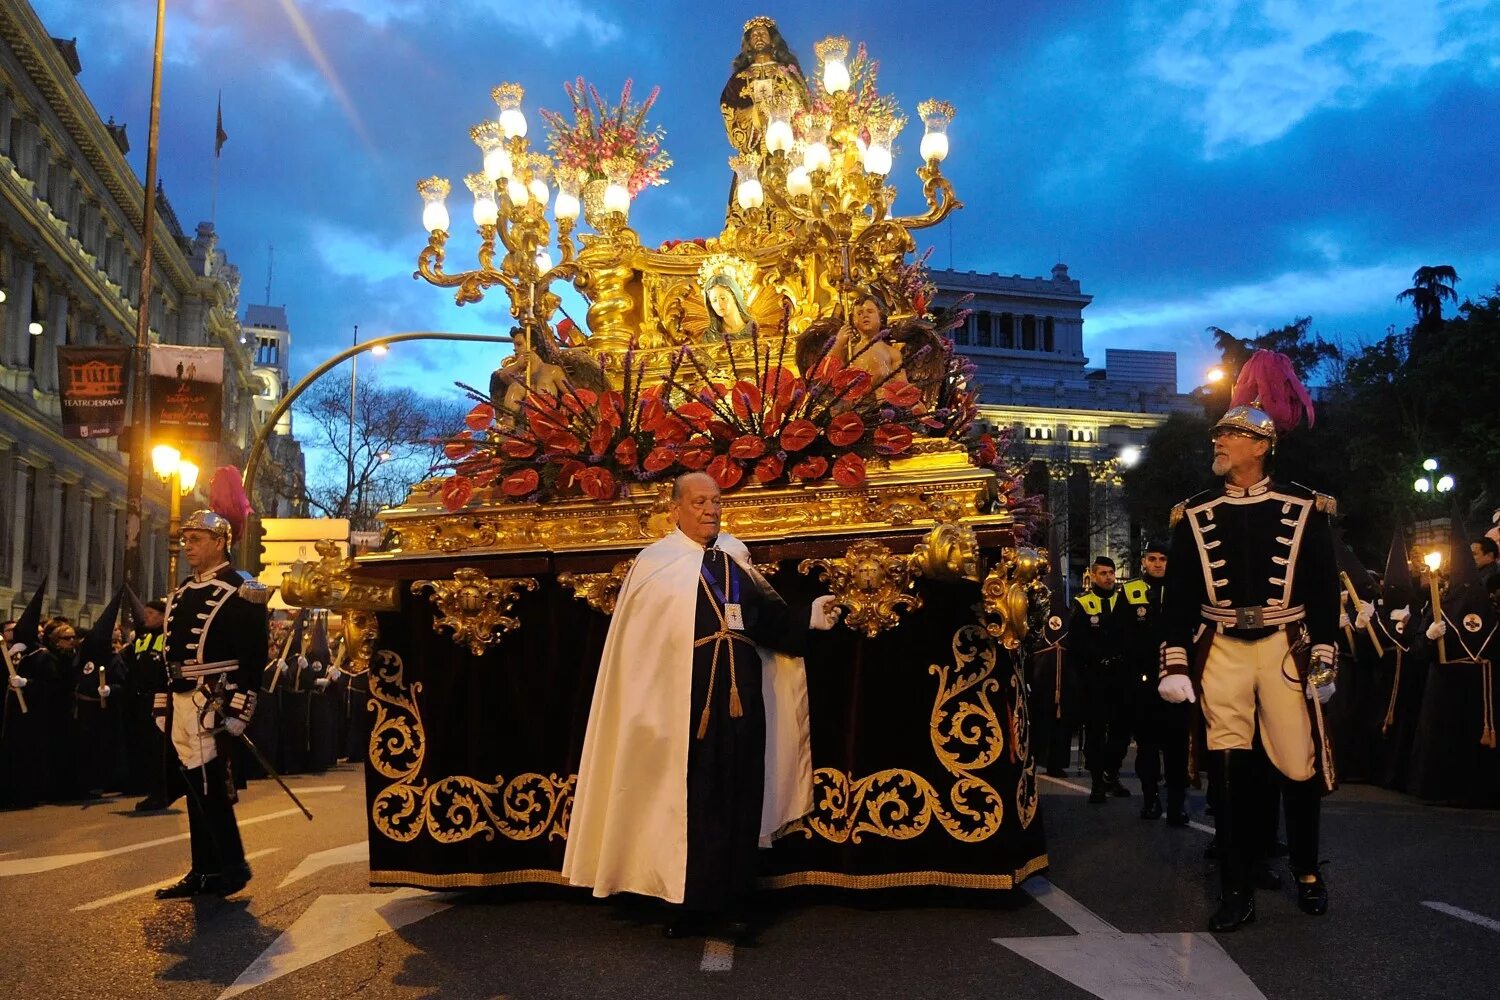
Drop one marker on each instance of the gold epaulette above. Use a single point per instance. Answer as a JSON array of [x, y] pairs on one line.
[[1326, 504], [255, 592], [1179, 511]]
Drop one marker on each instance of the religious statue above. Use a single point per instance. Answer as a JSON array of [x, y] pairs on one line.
[[538, 366], [865, 342], [764, 73], [732, 304]]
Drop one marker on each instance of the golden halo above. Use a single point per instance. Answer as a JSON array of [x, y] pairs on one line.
[[742, 271]]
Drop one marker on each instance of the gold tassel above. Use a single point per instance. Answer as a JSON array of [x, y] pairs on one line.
[[735, 708], [1390, 710], [703, 723], [1488, 689]]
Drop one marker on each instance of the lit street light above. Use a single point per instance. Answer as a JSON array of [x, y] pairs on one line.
[[181, 476], [1130, 456]]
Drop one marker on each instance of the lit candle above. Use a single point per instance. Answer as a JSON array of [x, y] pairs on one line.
[[798, 182], [517, 192], [779, 135], [749, 193], [1434, 560], [512, 120], [833, 52], [486, 211], [434, 191], [935, 117]]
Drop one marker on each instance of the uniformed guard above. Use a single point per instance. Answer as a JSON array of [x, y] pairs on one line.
[[215, 648], [153, 762], [1161, 728], [1099, 633], [1054, 689], [1251, 612]]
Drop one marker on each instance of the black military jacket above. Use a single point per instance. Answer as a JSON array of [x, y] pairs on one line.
[[1267, 547], [211, 620]]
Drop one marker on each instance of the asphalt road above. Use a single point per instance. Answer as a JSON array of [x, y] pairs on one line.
[[1120, 907]]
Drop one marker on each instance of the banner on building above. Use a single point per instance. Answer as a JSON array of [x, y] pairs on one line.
[[92, 382], [187, 393]]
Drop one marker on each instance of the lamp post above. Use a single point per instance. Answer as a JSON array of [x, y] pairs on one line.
[[181, 476]]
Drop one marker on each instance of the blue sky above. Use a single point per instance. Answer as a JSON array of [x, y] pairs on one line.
[[1194, 162]]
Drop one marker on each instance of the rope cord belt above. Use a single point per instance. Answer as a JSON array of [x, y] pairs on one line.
[[724, 636], [1390, 709]]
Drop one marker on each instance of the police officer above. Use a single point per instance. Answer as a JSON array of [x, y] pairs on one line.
[[1099, 634], [1161, 728], [215, 649], [1251, 612]]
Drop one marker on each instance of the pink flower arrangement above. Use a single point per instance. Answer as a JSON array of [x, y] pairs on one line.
[[601, 136]]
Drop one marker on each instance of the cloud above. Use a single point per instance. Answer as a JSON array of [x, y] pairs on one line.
[[1250, 70], [551, 24]]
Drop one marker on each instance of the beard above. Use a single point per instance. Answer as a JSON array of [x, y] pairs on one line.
[[1221, 465]]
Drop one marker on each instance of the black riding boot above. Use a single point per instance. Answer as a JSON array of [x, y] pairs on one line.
[[1304, 803], [1236, 821]]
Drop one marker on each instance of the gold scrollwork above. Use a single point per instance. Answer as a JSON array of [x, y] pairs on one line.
[[1008, 592], [967, 737], [870, 582], [599, 590], [455, 808], [949, 552], [330, 583], [475, 607]]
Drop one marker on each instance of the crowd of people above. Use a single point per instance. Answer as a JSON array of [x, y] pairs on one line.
[[87, 729]]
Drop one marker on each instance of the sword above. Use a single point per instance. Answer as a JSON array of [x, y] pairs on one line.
[[261, 758]]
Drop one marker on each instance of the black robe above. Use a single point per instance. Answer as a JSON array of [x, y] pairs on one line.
[[26, 761], [726, 766]]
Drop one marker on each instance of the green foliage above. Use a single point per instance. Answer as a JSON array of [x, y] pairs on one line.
[[1174, 466]]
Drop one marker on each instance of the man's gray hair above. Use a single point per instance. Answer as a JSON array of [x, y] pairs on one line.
[[677, 483]]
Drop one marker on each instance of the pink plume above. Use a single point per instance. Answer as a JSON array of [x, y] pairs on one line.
[[1269, 381], [226, 495]]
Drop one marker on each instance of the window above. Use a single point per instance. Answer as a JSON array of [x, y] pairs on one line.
[[1078, 435], [1007, 331], [986, 335], [1028, 333], [268, 352], [1049, 330], [68, 530]]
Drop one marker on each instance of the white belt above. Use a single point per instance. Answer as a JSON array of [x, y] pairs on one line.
[[1271, 616]]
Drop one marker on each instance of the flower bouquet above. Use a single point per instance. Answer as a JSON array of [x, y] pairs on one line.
[[602, 138]]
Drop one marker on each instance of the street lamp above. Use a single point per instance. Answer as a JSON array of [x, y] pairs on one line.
[[1130, 456], [1214, 375], [181, 476]]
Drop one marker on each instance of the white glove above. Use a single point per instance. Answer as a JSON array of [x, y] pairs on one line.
[[282, 667], [16, 651], [1176, 688], [234, 727], [1343, 619], [161, 723], [825, 613], [1321, 693], [105, 690], [334, 673], [18, 682], [321, 683], [1366, 612], [1401, 614], [1437, 630]]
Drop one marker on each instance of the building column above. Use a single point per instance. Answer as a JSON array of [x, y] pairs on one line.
[[16, 346], [86, 528], [18, 531], [55, 529], [7, 115], [111, 522], [52, 336]]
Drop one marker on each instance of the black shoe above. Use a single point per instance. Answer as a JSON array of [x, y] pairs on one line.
[[1099, 793], [152, 803], [231, 881], [1312, 897], [1116, 789], [1263, 877], [191, 884], [1151, 808], [1178, 816], [1236, 908]]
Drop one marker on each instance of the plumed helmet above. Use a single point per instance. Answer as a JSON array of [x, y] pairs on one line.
[[1269, 399], [215, 524], [1249, 418]]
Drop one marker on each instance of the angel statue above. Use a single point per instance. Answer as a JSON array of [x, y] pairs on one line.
[[869, 342], [539, 365]]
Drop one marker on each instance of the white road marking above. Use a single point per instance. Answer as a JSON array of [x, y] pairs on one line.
[[1080, 788], [718, 955], [1469, 915], [120, 897], [350, 854], [1114, 965], [35, 866], [333, 924]]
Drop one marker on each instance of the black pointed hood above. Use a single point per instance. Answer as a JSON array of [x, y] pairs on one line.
[[1467, 607], [29, 626], [1397, 589], [97, 645], [1351, 567]]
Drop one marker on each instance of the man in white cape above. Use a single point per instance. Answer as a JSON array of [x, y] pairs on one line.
[[697, 750]]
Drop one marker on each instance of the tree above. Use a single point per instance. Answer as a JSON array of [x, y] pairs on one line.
[[1174, 466], [397, 439], [1431, 286]]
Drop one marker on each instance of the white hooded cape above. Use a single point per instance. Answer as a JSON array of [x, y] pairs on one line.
[[628, 831]]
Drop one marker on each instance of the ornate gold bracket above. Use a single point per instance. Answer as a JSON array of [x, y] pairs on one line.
[[331, 583], [950, 552], [599, 590], [871, 583], [474, 607], [1011, 590]]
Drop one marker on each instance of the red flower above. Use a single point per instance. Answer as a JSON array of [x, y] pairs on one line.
[[652, 413], [779, 384], [541, 413], [567, 475], [695, 413], [480, 418], [487, 476], [988, 453], [597, 482], [726, 471], [747, 446], [851, 383], [811, 467], [899, 392], [845, 429], [672, 431], [798, 435], [721, 430], [919, 304], [561, 442], [567, 332], [580, 400], [849, 470], [747, 399], [459, 446], [457, 490], [516, 447], [599, 440], [660, 458], [768, 468], [696, 453], [519, 483], [626, 453], [892, 439]]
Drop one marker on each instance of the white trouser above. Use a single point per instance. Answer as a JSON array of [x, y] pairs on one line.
[[1245, 682], [195, 745]]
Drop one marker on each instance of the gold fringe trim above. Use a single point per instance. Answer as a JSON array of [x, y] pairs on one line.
[[469, 880], [906, 880]]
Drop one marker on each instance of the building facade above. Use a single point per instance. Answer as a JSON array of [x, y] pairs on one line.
[[1074, 427], [70, 220], [281, 486]]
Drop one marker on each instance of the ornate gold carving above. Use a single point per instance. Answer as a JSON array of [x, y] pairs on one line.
[[871, 583], [475, 607], [967, 737], [949, 552], [455, 808], [599, 589], [1010, 591], [361, 633], [331, 583]]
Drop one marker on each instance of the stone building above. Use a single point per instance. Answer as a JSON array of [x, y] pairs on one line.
[[1073, 426], [70, 219]]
